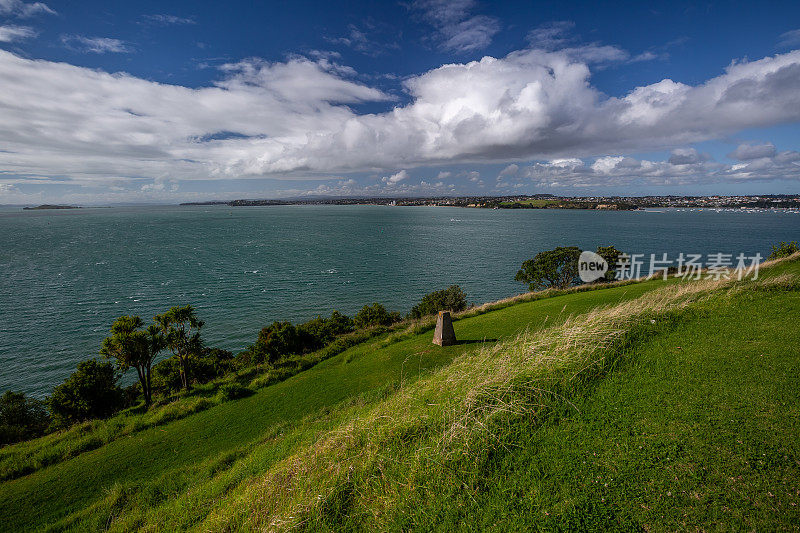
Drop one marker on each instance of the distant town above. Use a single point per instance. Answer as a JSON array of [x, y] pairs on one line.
[[545, 201]]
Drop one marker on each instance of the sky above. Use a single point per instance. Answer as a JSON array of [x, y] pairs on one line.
[[106, 102]]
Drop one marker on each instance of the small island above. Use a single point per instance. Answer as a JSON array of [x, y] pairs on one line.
[[51, 206]]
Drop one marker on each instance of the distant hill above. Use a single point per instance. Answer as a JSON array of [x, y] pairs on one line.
[[51, 206]]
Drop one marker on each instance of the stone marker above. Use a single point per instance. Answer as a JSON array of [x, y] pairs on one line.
[[444, 334]]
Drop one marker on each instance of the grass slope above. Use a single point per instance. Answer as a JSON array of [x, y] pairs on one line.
[[700, 429], [674, 411], [192, 449]]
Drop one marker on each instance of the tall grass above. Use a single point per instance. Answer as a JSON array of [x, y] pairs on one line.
[[366, 464], [24, 458]]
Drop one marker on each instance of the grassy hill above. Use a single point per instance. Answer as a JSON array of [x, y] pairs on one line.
[[658, 405]]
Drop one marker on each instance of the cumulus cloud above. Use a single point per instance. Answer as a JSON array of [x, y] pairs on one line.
[[745, 152], [296, 118], [11, 33], [96, 45], [20, 9], [394, 179], [684, 166], [687, 156], [510, 170], [457, 28]]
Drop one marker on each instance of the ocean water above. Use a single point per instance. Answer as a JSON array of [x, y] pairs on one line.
[[65, 275]]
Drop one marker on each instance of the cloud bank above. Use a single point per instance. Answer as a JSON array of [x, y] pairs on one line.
[[65, 124]]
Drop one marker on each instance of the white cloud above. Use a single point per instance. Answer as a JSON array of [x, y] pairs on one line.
[[684, 167], [96, 45], [394, 179], [510, 170], [294, 119], [163, 19], [790, 39], [21, 9], [457, 29], [11, 33]]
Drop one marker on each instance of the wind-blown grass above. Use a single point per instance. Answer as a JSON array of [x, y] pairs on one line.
[[364, 468]]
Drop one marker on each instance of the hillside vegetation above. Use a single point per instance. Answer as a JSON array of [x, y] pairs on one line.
[[657, 405]]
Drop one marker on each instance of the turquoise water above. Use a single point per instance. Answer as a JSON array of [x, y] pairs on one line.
[[67, 274]]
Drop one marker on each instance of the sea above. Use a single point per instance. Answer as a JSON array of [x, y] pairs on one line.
[[65, 275]]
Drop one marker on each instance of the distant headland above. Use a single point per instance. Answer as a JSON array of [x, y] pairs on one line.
[[543, 201], [51, 206]]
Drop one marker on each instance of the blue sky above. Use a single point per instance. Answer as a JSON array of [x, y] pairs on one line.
[[104, 102]]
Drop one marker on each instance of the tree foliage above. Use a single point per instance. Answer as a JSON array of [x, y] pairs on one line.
[[449, 299], [611, 255], [375, 315], [90, 392], [181, 330], [784, 249], [21, 417], [556, 268], [133, 347]]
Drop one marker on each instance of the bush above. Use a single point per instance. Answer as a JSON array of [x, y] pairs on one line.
[[21, 418], [375, 315], [232, 391], [784, 249], [449, 299], [321, 331], [90, 392], [277, 340]]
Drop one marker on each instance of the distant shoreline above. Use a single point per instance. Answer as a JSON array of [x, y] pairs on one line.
[[542, 201], [51, 206]]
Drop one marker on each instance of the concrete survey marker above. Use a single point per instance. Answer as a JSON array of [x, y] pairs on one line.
[[444, 335]]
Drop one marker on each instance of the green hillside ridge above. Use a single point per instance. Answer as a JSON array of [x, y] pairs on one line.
[[398, 433]]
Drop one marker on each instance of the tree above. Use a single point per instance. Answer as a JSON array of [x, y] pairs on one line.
[[449, 299], [181, 330], [611, 255], [21, 418], [374, 315], [133, 347], [276, 340], [556, 268], [784, 249], [322, 331], [89, 392]]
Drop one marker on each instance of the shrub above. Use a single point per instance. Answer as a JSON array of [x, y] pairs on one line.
[[375, 315], [449, 299], [321, 331], [277, 340], [232, 391], [90, 392], [212, 363], [784, 249], [21, 418]]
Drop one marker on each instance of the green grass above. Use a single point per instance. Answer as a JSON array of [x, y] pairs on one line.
[[199, 441], [542, 432], [698, 428], [572, 412]]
